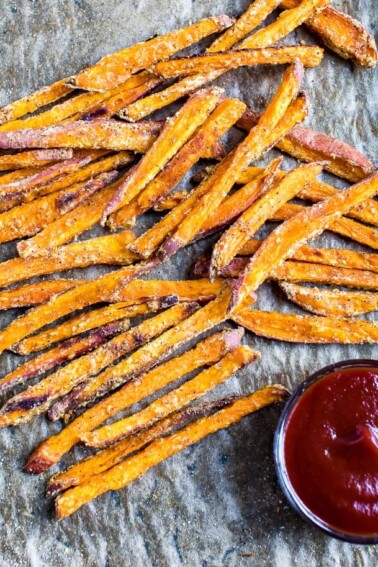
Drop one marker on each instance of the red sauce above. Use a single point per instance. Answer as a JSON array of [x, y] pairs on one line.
[[331, 450]]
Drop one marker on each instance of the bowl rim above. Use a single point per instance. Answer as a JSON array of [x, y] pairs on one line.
[[279, 460]]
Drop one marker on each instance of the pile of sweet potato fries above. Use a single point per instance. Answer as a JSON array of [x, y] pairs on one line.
[[90, 156]]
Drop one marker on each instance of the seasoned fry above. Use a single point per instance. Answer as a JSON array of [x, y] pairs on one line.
[[218, 123], [308, 55], [18, 174], [309, 145], [256, 13], [307, 329], [85, 469], [92, 320], [73, 348], [38, 398], [35, 293], [287, 22], [147, 356], [331, 302], [130, 469], [115, 68], [255, 216], [32, 102], [33, 158], [102, 250], [293, 233], [81, 296], [170, 202], [343, 34], [176, 132], [98, 134], [174, 400]]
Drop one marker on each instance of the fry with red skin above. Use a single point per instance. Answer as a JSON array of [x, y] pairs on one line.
[[174, 400], [109, 249], [343, 34], [33, 158], [40, 397], [73, 348], [128, 298], [310, 56], [286, 22], [307, 329], [293, 233], [217, 124], [18, 174], [125, 472], [174, 135], [32, 102], [252, 219], [35, 293], [331, 302], [84, 470], [115, 68], [98, 134], [146, 357]]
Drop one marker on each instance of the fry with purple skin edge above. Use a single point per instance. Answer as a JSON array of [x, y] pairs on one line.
[[35, 293], [34, 158]]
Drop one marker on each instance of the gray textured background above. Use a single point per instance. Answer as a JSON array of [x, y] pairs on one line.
[[218, 503]]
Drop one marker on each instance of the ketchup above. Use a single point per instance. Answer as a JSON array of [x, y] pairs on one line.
[[330, 449]]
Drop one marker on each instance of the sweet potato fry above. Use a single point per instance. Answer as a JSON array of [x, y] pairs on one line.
[[73, 348], [32, 102], [146, 357], [81, 296], [251, 220], [84, 470], [307, 329], [98, 134], [343, 34], [115, 68], [40, 397], [287, 22], [170, 202], [35, 293], [92, 320], [174, 400], [18, 174], [255, 14], [33, 158], [206, 353], [293, 233], [218, 123], [175, 134], [331, 302], [101, 250], [310, 145], [125, 472], [308, 55]]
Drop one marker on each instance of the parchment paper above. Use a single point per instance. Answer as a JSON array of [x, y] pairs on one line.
[[217, 503]]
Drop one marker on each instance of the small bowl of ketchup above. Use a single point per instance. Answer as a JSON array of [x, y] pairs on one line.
[[326, 450]]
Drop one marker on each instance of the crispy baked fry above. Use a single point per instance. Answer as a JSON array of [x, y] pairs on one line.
[[33, 158], [97, 134], [32, 102], [293, 233], [171, 201], [206, 353], [115, 68], [40, 397], [249, 222], [343, 34], [331, 302], [18, 174], [307, 329], [35, 293], [160, 449], [216, 125], [287, 22], [101, 250], [175, 134], [73, 348], [174, 400], [147, 356], [83, 470]]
